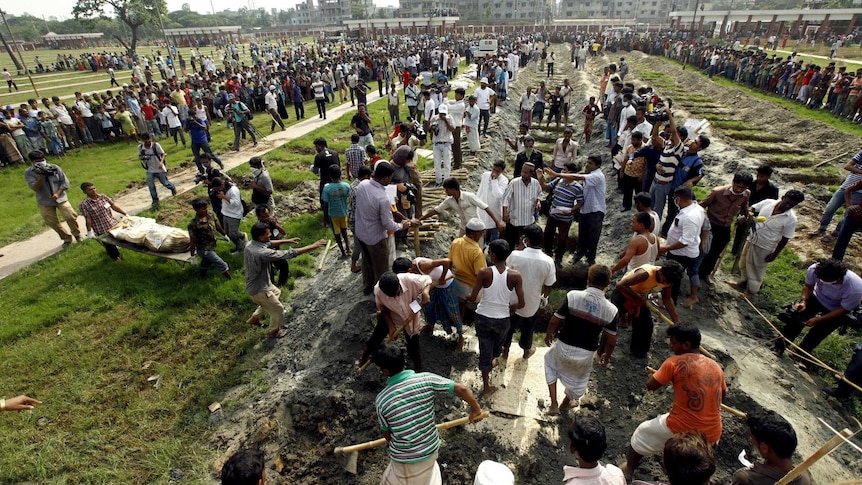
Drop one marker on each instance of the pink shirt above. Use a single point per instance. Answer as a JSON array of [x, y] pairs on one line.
[[412, 286]]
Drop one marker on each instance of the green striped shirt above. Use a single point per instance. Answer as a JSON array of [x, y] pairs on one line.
[[405, 408]]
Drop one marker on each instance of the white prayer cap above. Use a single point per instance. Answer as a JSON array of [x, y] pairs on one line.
[[493, 473]]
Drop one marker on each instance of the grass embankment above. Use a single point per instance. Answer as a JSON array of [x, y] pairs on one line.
[[784, 276], [84, 334]]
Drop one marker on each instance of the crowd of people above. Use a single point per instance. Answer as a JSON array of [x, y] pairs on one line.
[[500, 269]]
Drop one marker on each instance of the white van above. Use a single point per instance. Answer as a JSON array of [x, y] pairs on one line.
[[486, 46]]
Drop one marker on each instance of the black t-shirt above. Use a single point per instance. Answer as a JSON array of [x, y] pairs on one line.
[[361, 123], [584, 325], [768, 192], [322, 161]]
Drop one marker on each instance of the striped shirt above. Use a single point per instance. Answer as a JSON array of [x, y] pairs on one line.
[[594, 192], [564, 197], [852, 177], [586, 313], [520, 198], [405, 408], [668, 161]]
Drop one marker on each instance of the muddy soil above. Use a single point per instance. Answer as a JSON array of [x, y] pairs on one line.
[[314, 400]]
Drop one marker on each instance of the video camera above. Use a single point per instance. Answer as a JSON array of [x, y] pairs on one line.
[[659, 113], [45, 168], [200, 177]]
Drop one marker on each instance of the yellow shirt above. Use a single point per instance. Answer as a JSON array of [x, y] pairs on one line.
[[179, 97], [467, 259]]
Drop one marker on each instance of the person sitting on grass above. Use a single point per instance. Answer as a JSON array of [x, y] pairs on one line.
[[335, 196], [202, 229], [587, 441], [775, 440], [245, 467]]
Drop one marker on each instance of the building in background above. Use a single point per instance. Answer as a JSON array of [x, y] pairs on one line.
[[641, 10]]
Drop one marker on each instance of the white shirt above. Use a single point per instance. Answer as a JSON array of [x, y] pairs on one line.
[[645, 129], [232, 209], [686, 229], [456, 112], [430, 107], [537, 270], [483, 97], [471, 116], [767, 234], [491, 192], [600, 475], [171, 116], [466, 206], [84, 108], [271, 101], [527, 102]]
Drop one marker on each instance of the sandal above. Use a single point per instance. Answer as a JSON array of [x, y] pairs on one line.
[[280, 333]]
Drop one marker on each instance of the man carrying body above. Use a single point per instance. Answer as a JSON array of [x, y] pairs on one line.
[[538, 274], [96, 209], [774, 225], [588, 331], [496, 284], [405, 413], [698, 390], [465, 204], [202, 239], [49, 182], [258, 282]]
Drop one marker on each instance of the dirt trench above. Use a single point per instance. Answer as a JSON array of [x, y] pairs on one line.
[[314, 401]]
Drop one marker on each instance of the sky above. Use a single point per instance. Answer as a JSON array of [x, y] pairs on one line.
[[62, 9]]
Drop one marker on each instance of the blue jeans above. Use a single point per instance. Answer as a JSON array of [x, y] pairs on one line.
[[845, 233], [658, 193], [835, 203], [211, 258], [151, 183]]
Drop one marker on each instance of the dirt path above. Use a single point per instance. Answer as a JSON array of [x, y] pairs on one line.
[[21, 254], [316, 401]]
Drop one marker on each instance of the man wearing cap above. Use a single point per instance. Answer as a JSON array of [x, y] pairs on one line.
[[271, 100], [520, 202], [442, 137], [485, 96], [457, 109]]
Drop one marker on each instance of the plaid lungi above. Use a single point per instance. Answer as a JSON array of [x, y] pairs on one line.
[[443, 308]]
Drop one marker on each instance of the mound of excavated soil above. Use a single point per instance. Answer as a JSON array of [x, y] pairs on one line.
[[315, 401]]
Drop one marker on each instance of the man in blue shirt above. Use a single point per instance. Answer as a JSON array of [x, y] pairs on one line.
[[198, 130]]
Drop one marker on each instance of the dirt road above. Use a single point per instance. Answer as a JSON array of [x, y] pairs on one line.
[[317, 402]]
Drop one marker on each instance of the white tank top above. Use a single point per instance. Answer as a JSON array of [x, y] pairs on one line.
[[496, 298], [648, 257]]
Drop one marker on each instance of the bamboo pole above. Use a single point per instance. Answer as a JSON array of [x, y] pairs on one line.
[[668, 321]]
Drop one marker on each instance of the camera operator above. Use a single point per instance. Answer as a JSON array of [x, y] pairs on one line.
[[260, 184], [672, 149], [49, 182], [152, 157]]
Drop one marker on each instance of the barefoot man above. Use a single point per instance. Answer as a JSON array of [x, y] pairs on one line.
[[496, 284], [584, 317]]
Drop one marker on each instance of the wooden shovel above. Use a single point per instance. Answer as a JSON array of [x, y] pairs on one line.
[[352, 452]]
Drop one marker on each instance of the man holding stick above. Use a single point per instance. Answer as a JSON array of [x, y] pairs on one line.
[[698, 389], [405, 413]]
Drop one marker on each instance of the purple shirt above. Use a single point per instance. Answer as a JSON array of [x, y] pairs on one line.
[[846, 294], [373, 212]]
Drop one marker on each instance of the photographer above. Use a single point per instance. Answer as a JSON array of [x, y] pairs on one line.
[[260, 185], [49, 182], [232, 211], [152, 157], [672, 149]]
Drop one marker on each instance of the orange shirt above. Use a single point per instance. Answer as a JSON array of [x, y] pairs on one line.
[[698, 383]]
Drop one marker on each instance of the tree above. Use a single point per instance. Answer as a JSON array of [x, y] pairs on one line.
[[133, 13]]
